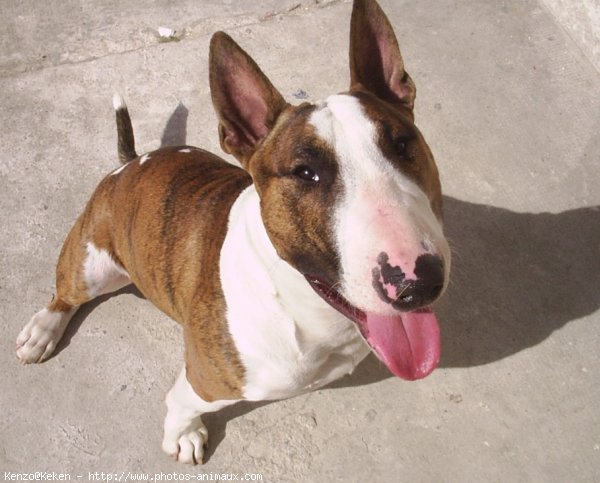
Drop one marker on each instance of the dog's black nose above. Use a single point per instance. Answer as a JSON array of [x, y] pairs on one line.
[[413, 294]]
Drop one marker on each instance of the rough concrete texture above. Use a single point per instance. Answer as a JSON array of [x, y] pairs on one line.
[[511, 109], [581, 20]]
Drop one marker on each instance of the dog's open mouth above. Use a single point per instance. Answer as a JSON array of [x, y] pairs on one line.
[[407, 343]]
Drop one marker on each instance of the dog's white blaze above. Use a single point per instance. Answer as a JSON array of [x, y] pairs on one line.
[[101, 273], [381, 210], [289, 340], [144, 158], [185, 150]]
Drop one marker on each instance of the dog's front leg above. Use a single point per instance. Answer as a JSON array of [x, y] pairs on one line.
[[185, 434]]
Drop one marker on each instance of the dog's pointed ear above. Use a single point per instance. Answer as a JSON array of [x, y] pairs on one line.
[[375, 60], [246, 102]]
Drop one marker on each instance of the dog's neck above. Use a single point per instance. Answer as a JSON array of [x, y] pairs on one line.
[[250, 267], [276, 317]]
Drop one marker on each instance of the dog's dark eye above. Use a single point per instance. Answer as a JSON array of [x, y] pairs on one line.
[[306, 173], [396, 142], [401, 146]]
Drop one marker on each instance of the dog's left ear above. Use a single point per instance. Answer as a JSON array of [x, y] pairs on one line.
[[375, 60], [246, 102]]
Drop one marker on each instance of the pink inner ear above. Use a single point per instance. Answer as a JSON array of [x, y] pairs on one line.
[[387, 61], [254, 111], [250, 105], [399, 85], [392, 63], [246, 111]]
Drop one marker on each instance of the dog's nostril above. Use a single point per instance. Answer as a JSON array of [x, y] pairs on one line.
[[430, 273]]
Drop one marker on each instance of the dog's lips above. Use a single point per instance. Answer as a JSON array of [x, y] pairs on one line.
[[407, 343]]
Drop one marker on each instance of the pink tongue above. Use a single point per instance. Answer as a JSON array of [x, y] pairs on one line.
[[408, 344]]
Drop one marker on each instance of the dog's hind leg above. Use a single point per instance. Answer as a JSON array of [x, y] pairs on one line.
[[86, 266], [83, 272]]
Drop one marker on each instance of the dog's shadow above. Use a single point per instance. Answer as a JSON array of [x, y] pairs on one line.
[[516, 278]]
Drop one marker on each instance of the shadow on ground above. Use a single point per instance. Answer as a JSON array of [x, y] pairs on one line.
[[517, 277]]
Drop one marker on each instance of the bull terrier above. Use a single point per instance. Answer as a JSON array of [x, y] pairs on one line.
[[284, 273]]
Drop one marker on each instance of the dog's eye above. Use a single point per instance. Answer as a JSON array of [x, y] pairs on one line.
[[401, 146], [396, 141], [306, 173]]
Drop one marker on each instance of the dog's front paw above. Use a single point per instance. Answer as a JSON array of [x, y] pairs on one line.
[[40, 335], [187, 447]]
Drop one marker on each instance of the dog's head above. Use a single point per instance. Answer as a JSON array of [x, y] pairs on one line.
[[350, 193]]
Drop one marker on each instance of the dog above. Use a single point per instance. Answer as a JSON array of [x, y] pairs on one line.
[[326, 244]]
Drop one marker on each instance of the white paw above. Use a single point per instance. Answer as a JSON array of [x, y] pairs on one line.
[[188, 447], [41, 334]]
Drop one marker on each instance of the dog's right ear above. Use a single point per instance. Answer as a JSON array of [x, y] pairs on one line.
[[246, 102]]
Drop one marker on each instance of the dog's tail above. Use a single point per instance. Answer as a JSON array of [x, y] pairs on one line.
[[125, 139]]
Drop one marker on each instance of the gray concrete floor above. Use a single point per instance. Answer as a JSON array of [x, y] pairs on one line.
[[511, 109]]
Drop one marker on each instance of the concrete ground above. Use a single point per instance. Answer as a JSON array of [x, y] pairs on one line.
[[511, 109]]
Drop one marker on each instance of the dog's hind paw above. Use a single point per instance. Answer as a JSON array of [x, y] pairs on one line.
[[41, 334]]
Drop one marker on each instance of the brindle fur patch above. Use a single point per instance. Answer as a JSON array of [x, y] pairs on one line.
[[174, 203], [308, 242]]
